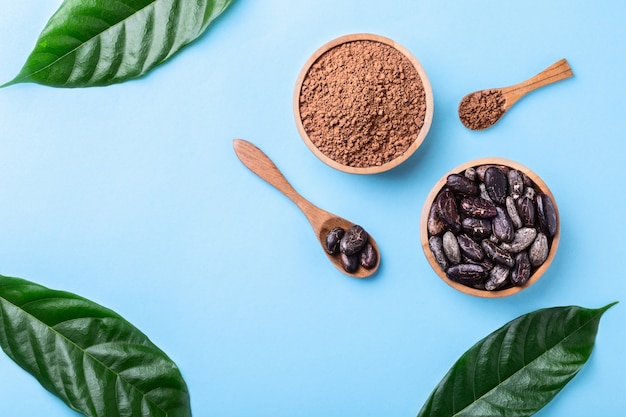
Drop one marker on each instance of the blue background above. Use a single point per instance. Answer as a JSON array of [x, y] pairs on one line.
[[131, 195]]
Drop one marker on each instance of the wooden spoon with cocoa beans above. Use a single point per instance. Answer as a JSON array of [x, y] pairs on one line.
[[482, 109], [348, 247]]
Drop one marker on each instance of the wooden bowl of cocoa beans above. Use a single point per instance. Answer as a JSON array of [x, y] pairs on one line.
[[490, 227], [363, 103]]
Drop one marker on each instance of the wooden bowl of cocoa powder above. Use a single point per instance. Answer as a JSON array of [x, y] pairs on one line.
[[363, 104], [526, 197]]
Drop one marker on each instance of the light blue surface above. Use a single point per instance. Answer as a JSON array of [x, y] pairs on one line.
[[131, 195]]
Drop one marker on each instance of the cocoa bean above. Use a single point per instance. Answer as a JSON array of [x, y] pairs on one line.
[[461, 185], [368, 256], [530, 192], [526, 210], [353, 240], [436, 247], [547, 214], [487, 263], [523, 238], [470, 173], [447, 209], [496, 184], [350, 263], [478, 207], [470, 248], [483, 192], [539, 250], [498, 278], [477, 228], [332, 240], [516, 183], [451, 248], [511, 209], [503, 226], [497, 254], [482, 169], [467, 274], [528, 182], [521, 272], [435, 225]]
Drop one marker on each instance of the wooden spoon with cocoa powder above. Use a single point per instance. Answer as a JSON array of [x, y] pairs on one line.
[[482, 109], [321, 221]]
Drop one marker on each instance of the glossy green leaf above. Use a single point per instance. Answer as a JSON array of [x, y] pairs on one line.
[[87, 355], [100, 42], [519, 368]]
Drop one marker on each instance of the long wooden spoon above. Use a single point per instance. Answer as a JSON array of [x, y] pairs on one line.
[[321, 220], [482, 109]]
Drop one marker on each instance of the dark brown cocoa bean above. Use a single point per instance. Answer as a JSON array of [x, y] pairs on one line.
[[498, 278], [470, 173], [496, 184], [448, 211], [497, 254], [521, 272], [502, 226], [451, 248], [526, 211], [524, 237], [435, 225], [487, 263], [477, 228], [353, 240], [461, 185], [511, 209], [547, 214], [478, 207], [483, 192], [436, 247], [516, 183], [350, 263], [482, 169], [332, 240], [470, 248], [368, 257], [539, 250], [467, 274]]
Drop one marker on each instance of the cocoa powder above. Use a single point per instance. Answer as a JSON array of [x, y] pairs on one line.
[[482, 109], [362, 103]]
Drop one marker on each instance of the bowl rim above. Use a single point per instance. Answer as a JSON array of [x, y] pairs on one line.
[[539, 183], [425, 84]]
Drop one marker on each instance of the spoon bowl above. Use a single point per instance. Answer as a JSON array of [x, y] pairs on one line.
[[321, 220], [482, 109]]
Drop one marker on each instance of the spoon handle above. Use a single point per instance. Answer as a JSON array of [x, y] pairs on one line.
[[558, 71], [259, 163]]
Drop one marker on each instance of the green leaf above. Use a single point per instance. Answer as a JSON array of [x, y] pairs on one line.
[[101, 42], [87, 355], [519, 368]]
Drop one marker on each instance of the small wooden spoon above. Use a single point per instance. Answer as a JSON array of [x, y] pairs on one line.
[[321, 220], [482, 109]]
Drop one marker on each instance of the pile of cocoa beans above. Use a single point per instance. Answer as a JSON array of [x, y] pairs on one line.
[[490, 227]]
